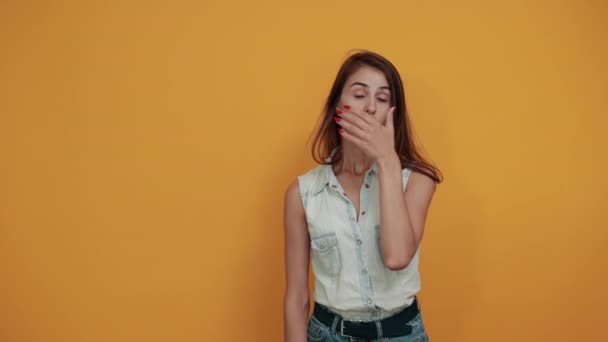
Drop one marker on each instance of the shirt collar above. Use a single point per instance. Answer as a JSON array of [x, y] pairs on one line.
[[326, 175]]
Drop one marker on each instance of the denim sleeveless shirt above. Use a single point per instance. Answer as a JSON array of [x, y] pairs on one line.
[[350, 276]]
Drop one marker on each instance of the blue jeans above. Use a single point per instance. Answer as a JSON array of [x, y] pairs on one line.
[[318, 332]]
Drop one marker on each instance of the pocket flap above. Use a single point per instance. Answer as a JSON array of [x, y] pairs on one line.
[[324, 242]]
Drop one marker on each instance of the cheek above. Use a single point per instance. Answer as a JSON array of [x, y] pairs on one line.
[[355, 104], [381, 118]]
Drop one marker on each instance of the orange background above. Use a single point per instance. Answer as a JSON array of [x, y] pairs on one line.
[[146, 147]]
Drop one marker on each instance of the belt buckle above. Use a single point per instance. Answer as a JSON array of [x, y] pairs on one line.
[[342, 328]]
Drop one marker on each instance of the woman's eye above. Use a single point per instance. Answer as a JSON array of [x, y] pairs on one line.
[[359, 96], [383, 100]]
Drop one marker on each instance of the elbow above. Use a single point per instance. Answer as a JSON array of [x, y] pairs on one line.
[[398, 263], [400, 257]]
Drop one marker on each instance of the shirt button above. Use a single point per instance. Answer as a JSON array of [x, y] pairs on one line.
[[333, 186], [369, 301], [344, 193], [359, 242], [364, 271], [367, 186], [363, 213]]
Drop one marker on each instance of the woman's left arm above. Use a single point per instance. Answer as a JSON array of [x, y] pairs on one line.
[[402, 213]]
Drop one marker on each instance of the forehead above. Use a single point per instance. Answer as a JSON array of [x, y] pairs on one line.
[[368, 75]]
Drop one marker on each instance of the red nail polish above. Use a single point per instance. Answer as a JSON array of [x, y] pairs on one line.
[[338, 119], [341, 130], [347, 107], [339, 112]]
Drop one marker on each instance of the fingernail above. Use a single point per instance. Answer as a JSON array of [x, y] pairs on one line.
[[347, 107], [341, 130], [339, 112], [337, 119]]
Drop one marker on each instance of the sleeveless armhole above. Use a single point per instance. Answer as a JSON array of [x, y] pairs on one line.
[[406, 175]]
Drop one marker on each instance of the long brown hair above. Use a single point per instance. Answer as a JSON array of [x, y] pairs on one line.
[[327, 137]]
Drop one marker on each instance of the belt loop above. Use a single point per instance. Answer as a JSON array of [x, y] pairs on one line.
[[335, 322], [379, 328]]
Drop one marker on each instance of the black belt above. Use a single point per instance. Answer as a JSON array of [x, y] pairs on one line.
[[393, 326]]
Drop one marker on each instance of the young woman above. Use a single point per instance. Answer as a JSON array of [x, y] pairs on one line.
[[361, 212]]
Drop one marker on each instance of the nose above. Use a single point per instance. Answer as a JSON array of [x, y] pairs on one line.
[[370, 107]]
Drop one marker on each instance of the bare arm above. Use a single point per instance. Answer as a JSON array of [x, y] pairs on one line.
[[402, 213], [296, 304]]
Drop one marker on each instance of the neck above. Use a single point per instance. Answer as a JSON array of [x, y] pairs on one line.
[[354, 161]]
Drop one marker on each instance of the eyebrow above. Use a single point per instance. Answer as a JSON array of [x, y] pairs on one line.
[[366, 86]]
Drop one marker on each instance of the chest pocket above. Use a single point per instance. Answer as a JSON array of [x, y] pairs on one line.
[[326, 254]]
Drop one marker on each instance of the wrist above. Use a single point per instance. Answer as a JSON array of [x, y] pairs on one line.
[[389, 161]]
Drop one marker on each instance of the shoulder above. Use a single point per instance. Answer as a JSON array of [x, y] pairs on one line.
[[293, 188], [314, 172], [419, 182], [300, 187], [313, 180], [292, 200]]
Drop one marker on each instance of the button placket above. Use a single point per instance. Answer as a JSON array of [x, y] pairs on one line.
[[355, 224], [364, 279], [363, 196], [367, 292]]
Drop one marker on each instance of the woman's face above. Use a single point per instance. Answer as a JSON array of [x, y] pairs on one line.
[[368, 93]]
